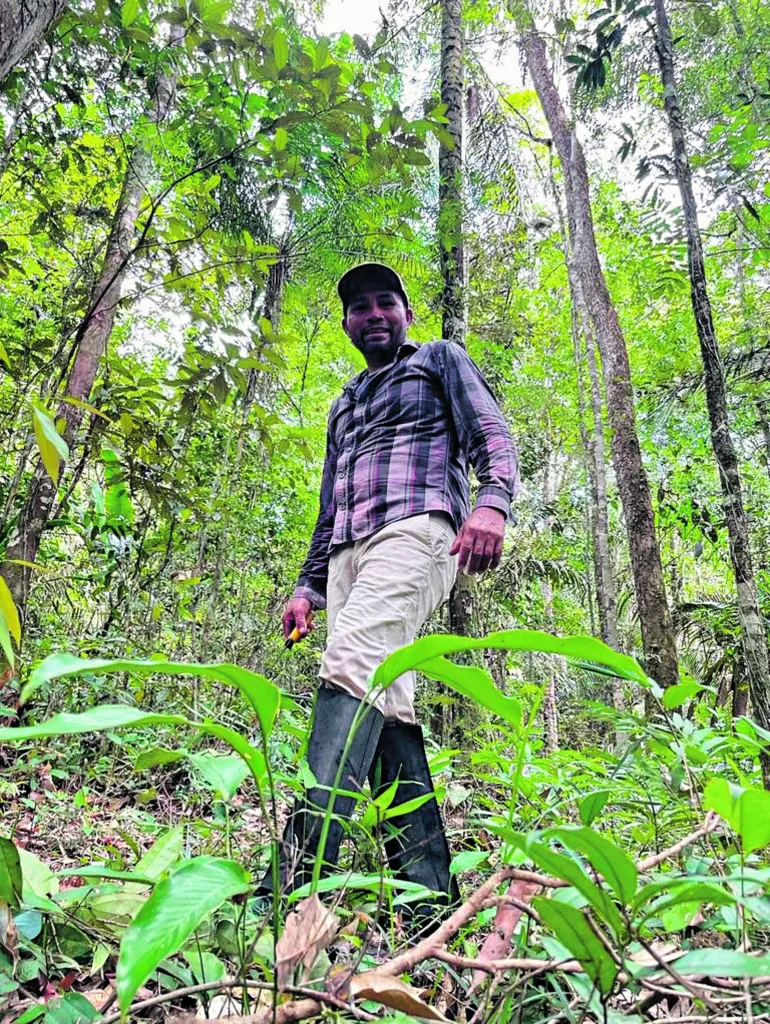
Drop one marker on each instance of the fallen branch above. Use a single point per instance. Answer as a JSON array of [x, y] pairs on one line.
[[498, 942], [319, 999], [708, 826], [509, 964]]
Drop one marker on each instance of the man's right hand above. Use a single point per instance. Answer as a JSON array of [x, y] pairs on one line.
[[295, 616]]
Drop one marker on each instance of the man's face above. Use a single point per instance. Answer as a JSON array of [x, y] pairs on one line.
[[376, 322]]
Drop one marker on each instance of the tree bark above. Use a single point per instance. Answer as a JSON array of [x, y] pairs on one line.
[[22, 25], [657, 634], [91, 343], [753, 636], [450, 173]]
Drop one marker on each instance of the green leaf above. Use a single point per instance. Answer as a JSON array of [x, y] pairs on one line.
[[98, 871], [746, 811], [467, 860], [723, 963], [157, 755], [592, 805], [356, 880], [263, 696], [129, 12], [99, 719], [10, 873], [476, 684], [572, 929], [71, 1008], [615, 866], [177, 906], [377, 807], [254, 758], [223, 773], [280, 50], [281, 139], [162, 855], [568, 870], [582, 648], [675, 696], [9, 612], [53, 448]]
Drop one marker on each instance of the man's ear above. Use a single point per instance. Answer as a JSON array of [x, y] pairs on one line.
[[345, 325], [409, 316]]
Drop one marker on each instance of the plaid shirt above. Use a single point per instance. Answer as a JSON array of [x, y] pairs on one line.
[[398, 443]]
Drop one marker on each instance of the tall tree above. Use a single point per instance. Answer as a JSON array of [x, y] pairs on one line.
[[90, 341], [657, 633], [22, 25], [450, 171], [753, 636]]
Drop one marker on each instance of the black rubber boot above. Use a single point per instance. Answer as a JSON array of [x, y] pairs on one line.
[[332, 719], [416, 843]]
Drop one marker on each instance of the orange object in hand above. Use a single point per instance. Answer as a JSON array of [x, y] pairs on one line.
[[294, 636]]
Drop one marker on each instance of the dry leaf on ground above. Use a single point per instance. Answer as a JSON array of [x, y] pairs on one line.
[[393, 992], [309, 929]]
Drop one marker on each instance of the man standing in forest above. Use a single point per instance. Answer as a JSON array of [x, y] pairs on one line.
[[394, 527]]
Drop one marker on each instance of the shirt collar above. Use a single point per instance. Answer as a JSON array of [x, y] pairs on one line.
[[405, 349]]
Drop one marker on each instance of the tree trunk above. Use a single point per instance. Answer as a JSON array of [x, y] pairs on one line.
[[91, 343], [453, 296], [657, 633], [550, 703], [22, 24], [450, 173], [753, 637]]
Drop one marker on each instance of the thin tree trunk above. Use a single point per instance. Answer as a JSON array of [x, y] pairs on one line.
[[91, 344], [753, 636], [550, 704], [453, 270], [657, 633], [450, 172], [22, 25]]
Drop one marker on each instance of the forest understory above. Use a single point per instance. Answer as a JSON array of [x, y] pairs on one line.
[[577, 195]]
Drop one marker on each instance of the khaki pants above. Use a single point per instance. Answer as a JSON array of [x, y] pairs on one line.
[[381, 590]]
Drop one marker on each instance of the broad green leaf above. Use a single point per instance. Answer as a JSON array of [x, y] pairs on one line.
[[129, 12], [689, 892], [724, 963], [5, 642], [9, 612], [10, 874], [263, 696], [583, 648], [746, 811], [280, 50], [592, 805], [254, 758], [568, 870], [675, 696], [99, 719], [53, 448], [177, 906], [162, 855], [38, 879], [223, 773], [475, 683], [571, 929], [71, 1008], [467, 860], [157, 755], [281, 138], [615, 866]]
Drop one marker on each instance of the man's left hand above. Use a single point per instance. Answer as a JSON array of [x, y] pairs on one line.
[[480, 540]]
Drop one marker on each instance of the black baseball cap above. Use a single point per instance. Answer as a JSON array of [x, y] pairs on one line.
[[369, 275]]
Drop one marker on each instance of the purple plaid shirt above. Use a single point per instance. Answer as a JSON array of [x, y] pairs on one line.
[[398, 443]]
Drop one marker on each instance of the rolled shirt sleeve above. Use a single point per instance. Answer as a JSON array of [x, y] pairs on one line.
[[481, 429]]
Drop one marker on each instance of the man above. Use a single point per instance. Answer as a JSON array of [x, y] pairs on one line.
[[393, 528]]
